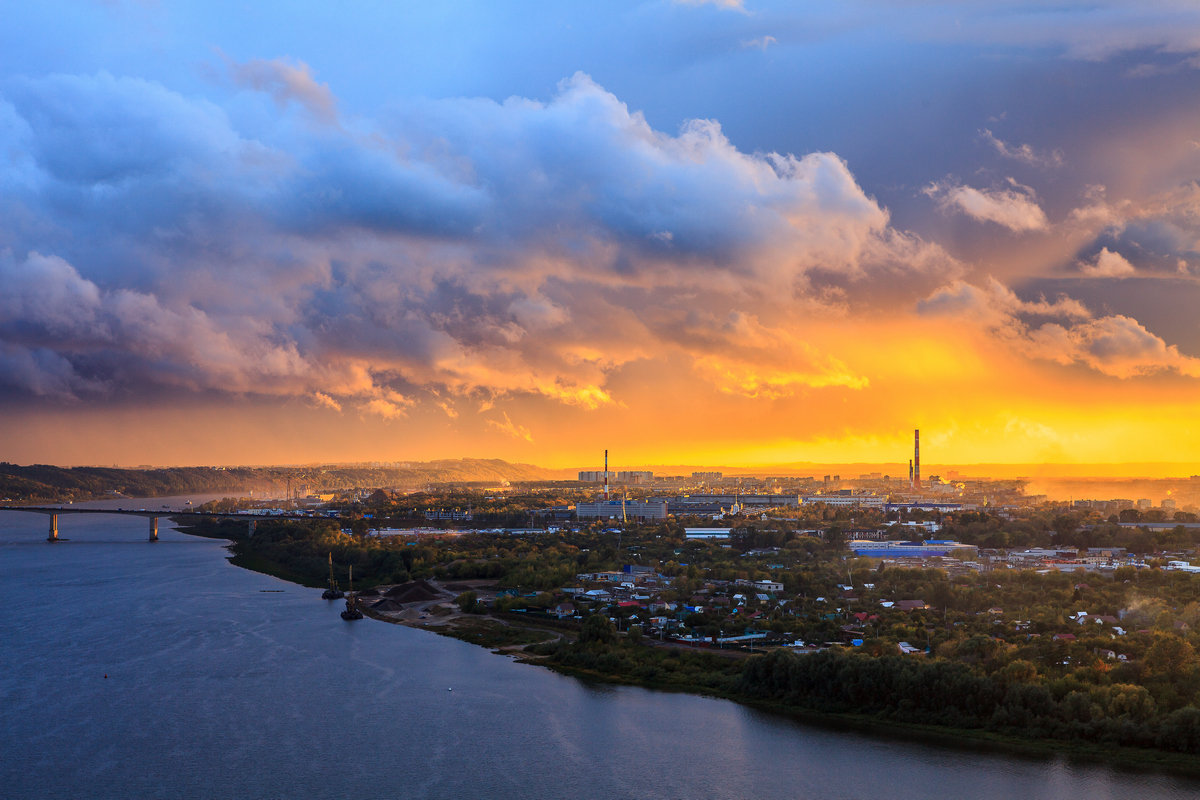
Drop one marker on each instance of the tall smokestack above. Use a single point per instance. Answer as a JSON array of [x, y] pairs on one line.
[[917, 458], [606, 476]]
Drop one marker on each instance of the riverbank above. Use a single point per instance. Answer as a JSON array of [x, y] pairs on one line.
[[536, 645], [530, 643], [505, 637], [482, 630], [1137, 760], [702, 672]]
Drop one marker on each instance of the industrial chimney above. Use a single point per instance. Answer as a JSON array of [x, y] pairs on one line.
[[917, 458], [606, 476]]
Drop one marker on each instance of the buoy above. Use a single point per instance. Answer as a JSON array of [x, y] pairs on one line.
[[451, 689], [106, 675]]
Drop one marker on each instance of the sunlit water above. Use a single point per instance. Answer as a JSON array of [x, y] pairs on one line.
[[221, 685]]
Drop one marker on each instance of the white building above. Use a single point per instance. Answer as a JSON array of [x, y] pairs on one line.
[[706, 533], [619, 509], [846, 500]]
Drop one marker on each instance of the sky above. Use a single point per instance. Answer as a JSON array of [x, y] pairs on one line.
[[689, 232]]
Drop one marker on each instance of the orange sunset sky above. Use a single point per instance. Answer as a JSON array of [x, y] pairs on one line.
[[729, 233]]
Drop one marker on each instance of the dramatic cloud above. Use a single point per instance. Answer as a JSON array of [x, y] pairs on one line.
[[386, 226], [378, 263], [129, 337], [43, 373]]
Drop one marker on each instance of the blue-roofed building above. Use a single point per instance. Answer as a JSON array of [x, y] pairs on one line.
[[929, 549]]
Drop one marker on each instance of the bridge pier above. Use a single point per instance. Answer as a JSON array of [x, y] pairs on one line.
[[251, 532], [154, 529], [53, 537]]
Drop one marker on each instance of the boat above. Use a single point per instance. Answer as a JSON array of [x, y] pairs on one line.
[[351, 611], [333, 592]]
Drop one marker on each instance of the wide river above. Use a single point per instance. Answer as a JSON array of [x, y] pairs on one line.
[[130, 669]]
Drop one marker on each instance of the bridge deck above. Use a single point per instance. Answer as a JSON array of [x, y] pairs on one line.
[[147, 512]]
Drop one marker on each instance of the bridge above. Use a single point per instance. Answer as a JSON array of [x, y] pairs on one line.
[[55, 511]]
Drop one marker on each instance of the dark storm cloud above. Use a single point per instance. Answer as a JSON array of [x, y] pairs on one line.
[[459, 246]]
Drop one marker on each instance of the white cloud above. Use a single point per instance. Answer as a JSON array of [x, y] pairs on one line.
[[286, 82], [1014, 208], [322, 400], [390, 405], [510, 428], [1114, 345], [996, 306], [1023, 153], [761, 43], [731, 5], [1097, 210], [749, 358], [1107, 264]]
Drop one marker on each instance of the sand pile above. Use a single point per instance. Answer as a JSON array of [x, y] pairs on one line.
[[387, 605], [413, 592]]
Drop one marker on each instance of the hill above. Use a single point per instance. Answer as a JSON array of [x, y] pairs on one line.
[[48, 483]]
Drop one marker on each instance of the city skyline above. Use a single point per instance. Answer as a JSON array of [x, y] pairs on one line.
[[709, 233]]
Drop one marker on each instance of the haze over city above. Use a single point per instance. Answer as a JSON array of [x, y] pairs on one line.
[[729, 233]]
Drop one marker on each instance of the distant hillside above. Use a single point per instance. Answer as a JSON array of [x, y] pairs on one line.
[[474, 469], [418, 474], [45, 482], [41, 482]]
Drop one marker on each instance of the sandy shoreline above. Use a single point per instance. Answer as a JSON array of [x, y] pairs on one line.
[[441, 615]]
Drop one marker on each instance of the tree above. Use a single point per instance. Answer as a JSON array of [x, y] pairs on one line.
[[468, 601], [1170, 656], [1019, 671], [1181, 730], [597, 628], [835, 539], [1065, 527]]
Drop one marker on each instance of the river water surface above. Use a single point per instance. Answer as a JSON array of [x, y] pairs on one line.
[[131, 669]]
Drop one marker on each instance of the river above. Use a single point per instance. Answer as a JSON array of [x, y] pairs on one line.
[[137, 669]]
